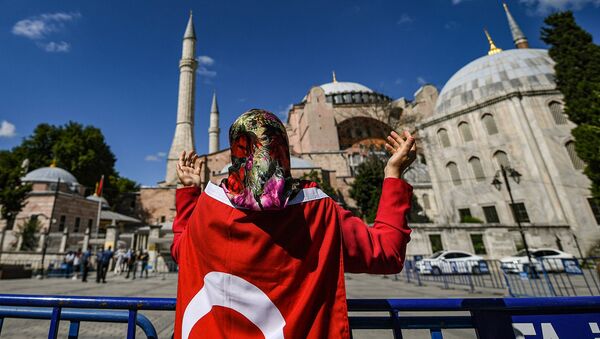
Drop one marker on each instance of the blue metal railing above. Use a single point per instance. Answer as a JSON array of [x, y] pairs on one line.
[[490, 318]]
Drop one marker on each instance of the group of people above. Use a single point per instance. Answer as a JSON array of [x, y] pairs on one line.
[[78, 263]]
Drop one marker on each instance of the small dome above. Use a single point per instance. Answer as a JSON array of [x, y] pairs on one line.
[[345, 87], [296, 163], [50, 174], [97, 198], [492, 76]]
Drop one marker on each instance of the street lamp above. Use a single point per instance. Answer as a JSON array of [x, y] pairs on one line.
[[505, 172]]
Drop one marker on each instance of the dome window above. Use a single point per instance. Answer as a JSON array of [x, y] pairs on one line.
[[465, 131], [557, 113], [489, 123], [454, 174], [477, 168], [578, 164], [501, 159], [443, 137]]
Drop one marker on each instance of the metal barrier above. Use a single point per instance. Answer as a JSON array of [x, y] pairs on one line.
[[551, 277], [566, 317]]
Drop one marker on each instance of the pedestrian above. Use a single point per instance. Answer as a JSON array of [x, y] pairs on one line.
[[85, 263], [144, 257], [69, 258], [106, 258], [131, 264], [99, 256], [77, 264], [275, 248]]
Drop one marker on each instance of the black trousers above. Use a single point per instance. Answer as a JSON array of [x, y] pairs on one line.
[[86, 269], [98, 272]]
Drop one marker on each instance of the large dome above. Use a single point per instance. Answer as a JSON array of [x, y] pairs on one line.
[[50, 174], [342, 92], [344, 87], [496, 75]]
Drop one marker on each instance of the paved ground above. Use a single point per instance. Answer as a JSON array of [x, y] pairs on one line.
[[358, 286]]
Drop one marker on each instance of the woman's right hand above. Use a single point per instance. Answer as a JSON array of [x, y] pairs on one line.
[[188, 169]]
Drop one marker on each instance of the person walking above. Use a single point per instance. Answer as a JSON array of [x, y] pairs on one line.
[[272, 249], [106, 258], [131, 264], [99, 256], [144, 257], [77, 264], [69, 258], [85, 263]]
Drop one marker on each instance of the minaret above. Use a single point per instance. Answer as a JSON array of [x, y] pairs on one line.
[[518, 36], [493, 48], [213, 130], [184, 130]]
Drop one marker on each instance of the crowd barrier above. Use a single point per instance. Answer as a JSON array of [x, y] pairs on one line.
[[547, 278], [563, 317]]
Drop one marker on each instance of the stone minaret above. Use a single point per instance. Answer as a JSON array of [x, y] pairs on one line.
[[184, 130], [213, 130], [518, 36]]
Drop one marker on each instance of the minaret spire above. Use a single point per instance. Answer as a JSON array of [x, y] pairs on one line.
[[493, 48], [518, 36], [183, 140], [214, 130]]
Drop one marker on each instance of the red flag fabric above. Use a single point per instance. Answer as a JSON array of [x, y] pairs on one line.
[[278, 274], [100, 187]]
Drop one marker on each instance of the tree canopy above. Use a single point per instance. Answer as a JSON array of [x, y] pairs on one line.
[[366, 188], [12, 191], [81, 150], [578, 78]]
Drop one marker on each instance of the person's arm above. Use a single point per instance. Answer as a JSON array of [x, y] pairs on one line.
[[379, 249], [185, 201], [188, 170], [382, 248]]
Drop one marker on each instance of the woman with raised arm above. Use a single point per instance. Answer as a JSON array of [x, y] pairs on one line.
[[263, 255]]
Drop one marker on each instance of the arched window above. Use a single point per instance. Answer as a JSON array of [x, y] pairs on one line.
[[477, 169], [443, 136], [465, 131], [501, 159], [426, 203], [489, 123], [557, 113], [454, 175], [575, 160]]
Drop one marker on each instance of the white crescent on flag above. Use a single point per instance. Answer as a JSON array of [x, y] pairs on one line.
[[233, 292]]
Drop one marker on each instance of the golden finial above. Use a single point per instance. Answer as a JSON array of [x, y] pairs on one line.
[[190, 12], [493, 48], [334, 78], [53, 163]]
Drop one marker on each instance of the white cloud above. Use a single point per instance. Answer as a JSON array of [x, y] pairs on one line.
[[421, 81], [205, 60], [56, 47], [451, 25], [456, 2], [404, 19], [156, 157], [543, 7], [204, 64], [398, 81], [39, 27], [284, 112], [7, 130]]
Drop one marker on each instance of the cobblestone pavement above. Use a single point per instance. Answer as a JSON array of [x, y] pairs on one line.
[[358, 286]]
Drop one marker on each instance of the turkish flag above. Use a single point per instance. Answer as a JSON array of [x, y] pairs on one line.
[[280, 273]]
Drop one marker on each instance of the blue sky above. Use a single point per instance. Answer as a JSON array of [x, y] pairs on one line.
[[113, 64]]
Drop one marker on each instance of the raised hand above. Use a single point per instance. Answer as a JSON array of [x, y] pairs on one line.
[[188, 169], [404, 151]]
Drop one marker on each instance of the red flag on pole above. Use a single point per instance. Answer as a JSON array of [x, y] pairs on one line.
[[100, 186]]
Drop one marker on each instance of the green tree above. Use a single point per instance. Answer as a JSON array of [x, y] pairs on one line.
[[81, 150], [12, 191], [28, 231], [578, 78], [366, 188], [323, 184]]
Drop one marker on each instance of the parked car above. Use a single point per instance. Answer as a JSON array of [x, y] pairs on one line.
[[549, 257], [552, 259], [452, 262]]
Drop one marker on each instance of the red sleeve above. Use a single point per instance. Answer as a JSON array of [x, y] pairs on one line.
[[185, 201], [379, 249]]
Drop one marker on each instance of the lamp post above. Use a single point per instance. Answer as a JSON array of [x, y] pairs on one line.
[[505, 172]]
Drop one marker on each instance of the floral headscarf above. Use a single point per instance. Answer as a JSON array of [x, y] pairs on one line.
[[259, 176]]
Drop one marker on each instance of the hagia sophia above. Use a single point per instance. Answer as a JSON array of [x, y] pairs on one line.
[[500, 109]]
